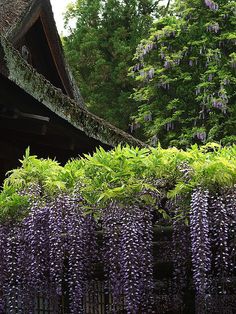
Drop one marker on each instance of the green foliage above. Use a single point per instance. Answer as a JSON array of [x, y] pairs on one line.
[[119, 174], [100, 50], [124, 174], [46, 173], [12, 205], [185, 73]]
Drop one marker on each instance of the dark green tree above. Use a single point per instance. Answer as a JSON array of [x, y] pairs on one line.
[[100, 51], [185, 74]]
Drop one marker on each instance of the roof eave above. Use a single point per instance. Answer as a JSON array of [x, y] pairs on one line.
[[27, 16], [22, 74]]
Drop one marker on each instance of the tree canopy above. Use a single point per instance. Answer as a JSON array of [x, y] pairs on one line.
[[185, 72], [100, 51], [181, 84]]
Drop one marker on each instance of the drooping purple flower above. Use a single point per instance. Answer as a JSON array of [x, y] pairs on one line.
[[177, 61], [200, 245], [128, 258], [221, 102], [144, 49], [226, 81], [230, 203], [148, 117], [167, 64], [150, 73], [154, 140], [201, 135], [36, 235], [56, 243], [134, 126], [3, 266], [163, 55], [198, 90], [181, 245], [220, 228], [213, 27], [51, 247], [164, 85], [169, 126], [190, 63], [212, 5], [79, 243], [210, 77]]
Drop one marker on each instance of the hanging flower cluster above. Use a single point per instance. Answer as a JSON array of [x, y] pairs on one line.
[[170, 126], [212, 225], [188, 56], [220, 221], [36, 252], [201, 135], [201, 251], [128, 258], [54, 250], [213, 28], [58, 247], [181, 247], [212, 5]]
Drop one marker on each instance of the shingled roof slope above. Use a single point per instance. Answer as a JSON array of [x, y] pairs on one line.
[[11, 11], [17, 16], [21, 73]]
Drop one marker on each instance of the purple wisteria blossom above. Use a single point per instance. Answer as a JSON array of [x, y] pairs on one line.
[[212, 5], [181, 245], [128, 258], [52, 246], [215, 27], [201, 135], [148, 117], [230, 203], [167, 64], [150, 73], [201, 248], [170, 126], [144, 49], [220, 228]]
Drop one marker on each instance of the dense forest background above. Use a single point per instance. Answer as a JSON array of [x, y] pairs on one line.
[[162, 71]]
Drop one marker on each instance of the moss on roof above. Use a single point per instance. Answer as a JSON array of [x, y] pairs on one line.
[[14, 16], [22, 74], [11, 11]]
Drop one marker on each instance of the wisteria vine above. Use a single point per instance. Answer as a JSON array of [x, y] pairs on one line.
[[201, 249], [54, 251], [45, 253], [127, 256]]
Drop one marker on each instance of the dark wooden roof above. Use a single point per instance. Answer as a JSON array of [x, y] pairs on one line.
[[28, 79], [16, 18], [11, 11]]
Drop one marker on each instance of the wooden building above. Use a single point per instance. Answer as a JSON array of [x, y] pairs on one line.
[[40, 104]]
